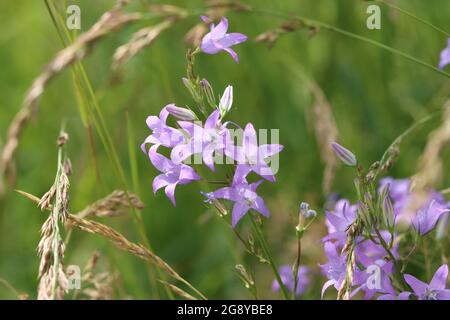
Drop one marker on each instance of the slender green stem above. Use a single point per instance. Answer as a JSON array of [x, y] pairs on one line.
[[326, 26], [411, 15], [266, 251], [400, 279], [296, 267]]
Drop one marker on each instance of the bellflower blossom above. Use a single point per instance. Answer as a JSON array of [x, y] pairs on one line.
[[338, 220], [212, 137], [372, 255], [251, 157], [242, 194], [218, 39], [435, 290], [445, 56], [427, 217], [287, 278], [162, 134], [334, 269], [171, 174]]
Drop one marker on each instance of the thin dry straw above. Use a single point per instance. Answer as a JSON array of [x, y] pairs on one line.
[[120, 242], [178, 291], [140, 40], [272, 36], [146, 36], [109, 22], [115, 204]]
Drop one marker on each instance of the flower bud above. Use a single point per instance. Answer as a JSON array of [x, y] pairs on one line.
[[186, 82], [345, 155], [181, 113], [226, 101], [388, 212], [208, 92], [306, 212]]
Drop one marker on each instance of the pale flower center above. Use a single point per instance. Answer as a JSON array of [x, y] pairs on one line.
[[430, 294], [248, 196]]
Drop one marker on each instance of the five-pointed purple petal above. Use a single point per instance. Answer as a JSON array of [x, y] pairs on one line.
[[171, 174], [435, 290], [243, 195], [218, 39]]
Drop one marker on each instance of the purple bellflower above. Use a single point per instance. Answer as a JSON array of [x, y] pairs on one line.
[[390, 296], [338, 220], [435, 290], [372, 255], [251, 157], [162, 134], [218, 39], [445, 56], [171, 174], [427, 217], [334, 269], [243, 194], [288, 279], [212, 137]]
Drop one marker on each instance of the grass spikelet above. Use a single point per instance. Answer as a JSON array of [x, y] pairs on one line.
[[119, 241], [140, 40], [52, 279], [349, 250], [114, 205], [271, 36], [97, 285]]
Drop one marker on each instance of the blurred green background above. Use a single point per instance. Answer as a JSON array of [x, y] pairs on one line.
[[374, 95]]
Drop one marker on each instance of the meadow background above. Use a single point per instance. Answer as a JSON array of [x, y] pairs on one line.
[[374, 96]]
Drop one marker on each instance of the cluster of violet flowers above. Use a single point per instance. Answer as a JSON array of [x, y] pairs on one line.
[[370, 252], [210, 140], [213, 138]]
